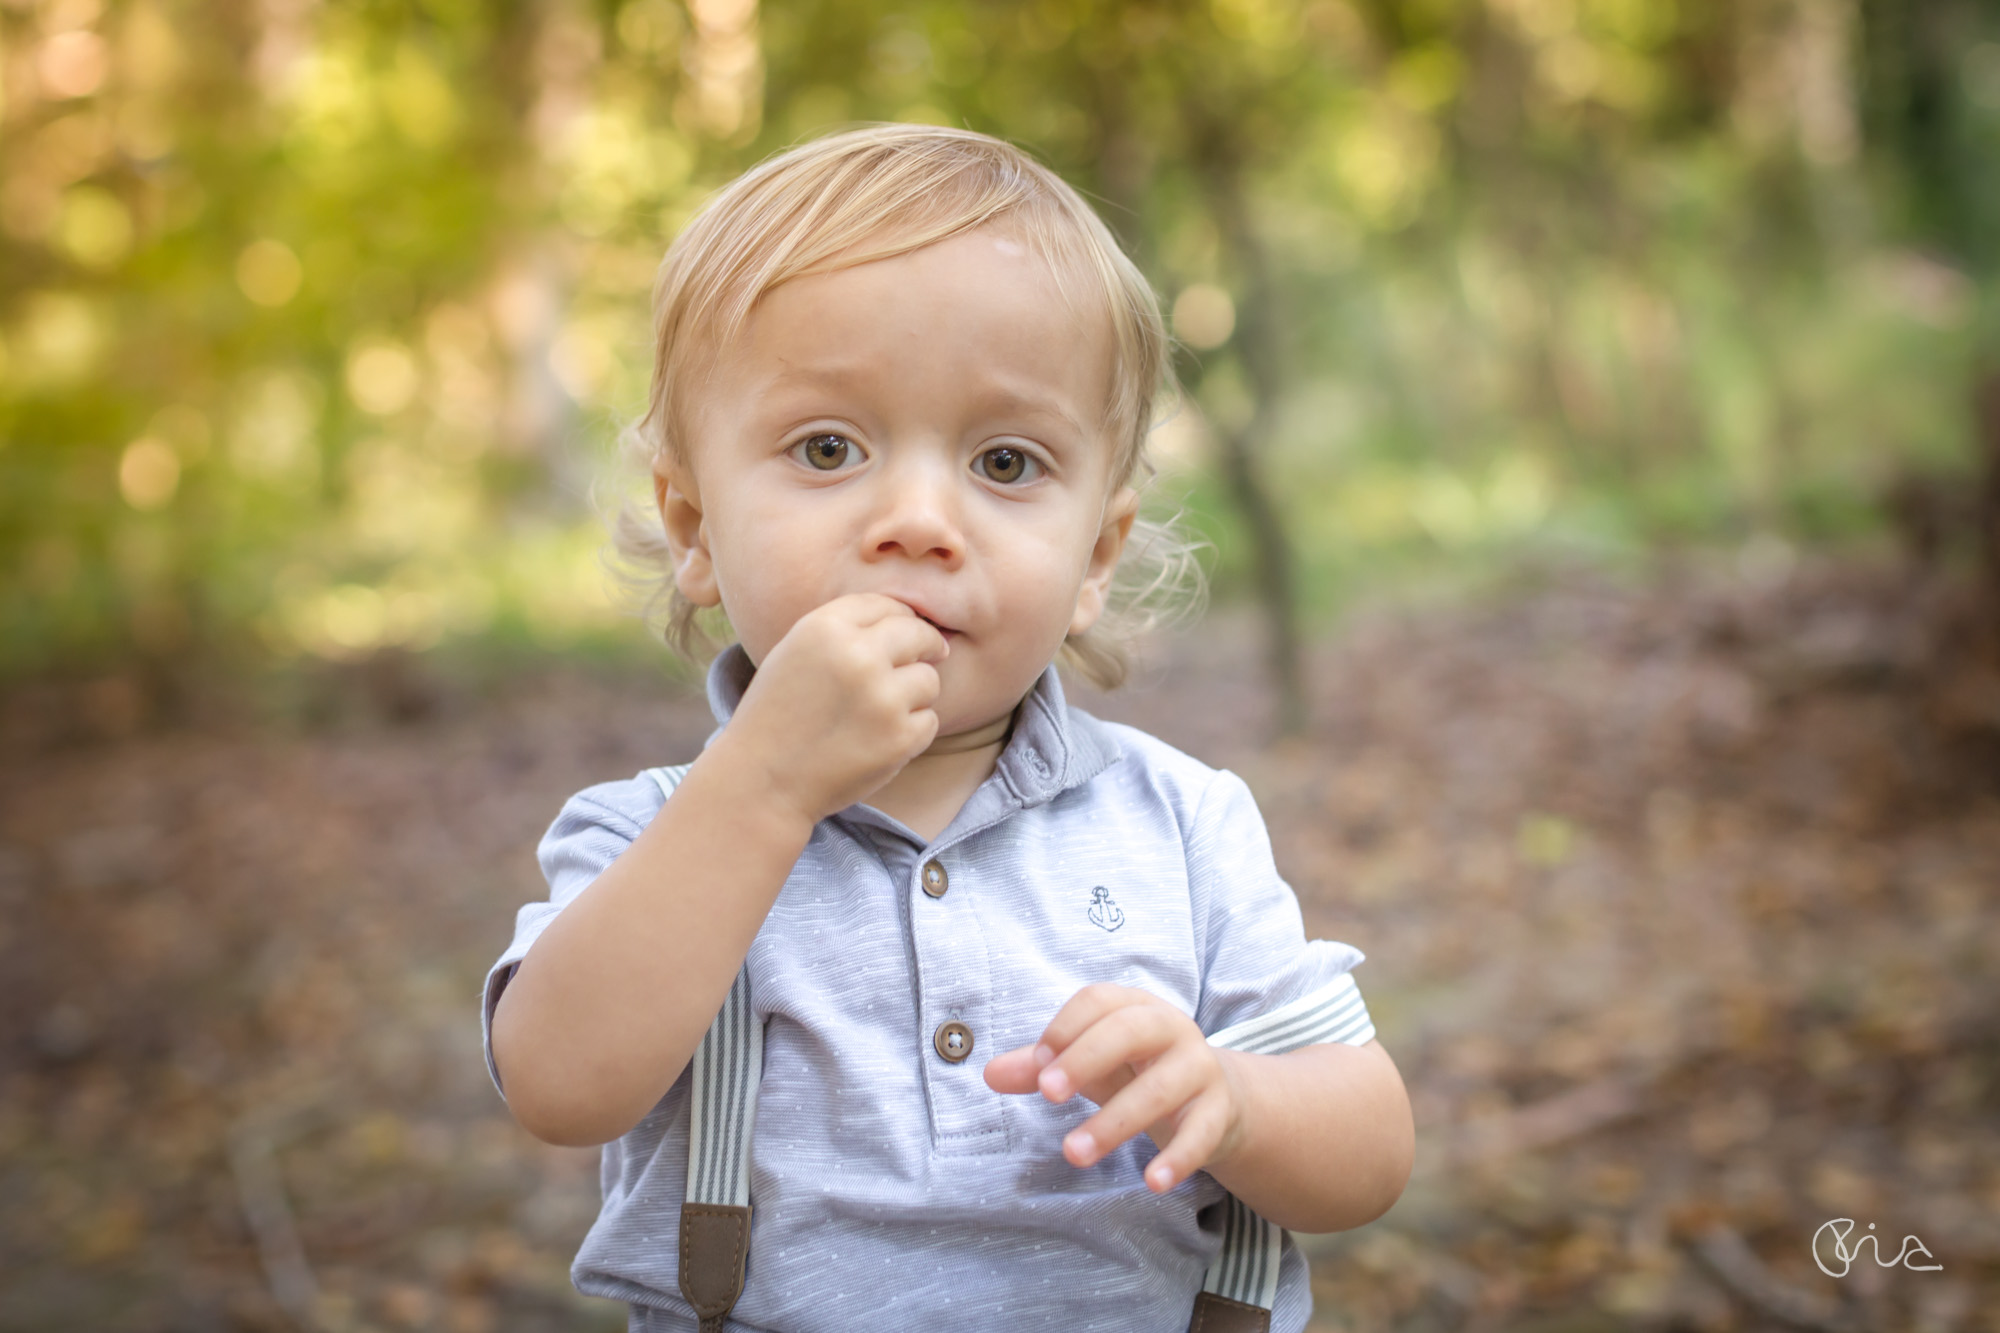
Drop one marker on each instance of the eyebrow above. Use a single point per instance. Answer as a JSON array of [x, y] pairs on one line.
[[998, 396], [990, 395]]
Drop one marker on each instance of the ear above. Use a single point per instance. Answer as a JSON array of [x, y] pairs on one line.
[[687, 533], [1091, 597]]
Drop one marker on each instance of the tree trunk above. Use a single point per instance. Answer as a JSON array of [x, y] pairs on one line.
[[1261, 346], [1986, 506], [1275, 582]]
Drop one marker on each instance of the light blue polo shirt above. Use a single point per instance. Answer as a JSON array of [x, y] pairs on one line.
[[892, 1188]]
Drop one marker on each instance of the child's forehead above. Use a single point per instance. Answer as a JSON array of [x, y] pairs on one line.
[[1005, 240], [983, 285]]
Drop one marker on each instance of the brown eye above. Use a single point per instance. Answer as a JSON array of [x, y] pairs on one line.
[[1004, 464], [826, 452]]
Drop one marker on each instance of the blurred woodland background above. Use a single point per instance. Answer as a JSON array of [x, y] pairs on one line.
[[1594, 406]]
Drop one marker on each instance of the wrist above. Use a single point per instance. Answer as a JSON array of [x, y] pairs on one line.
[[756, 786], [1238, 1078]]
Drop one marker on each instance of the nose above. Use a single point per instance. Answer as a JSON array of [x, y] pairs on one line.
[[917, 515]]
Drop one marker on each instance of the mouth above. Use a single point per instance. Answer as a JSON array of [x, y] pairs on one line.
[[936, 624]]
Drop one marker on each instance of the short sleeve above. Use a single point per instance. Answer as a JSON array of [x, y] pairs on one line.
[[1265, 986], [588, 835]]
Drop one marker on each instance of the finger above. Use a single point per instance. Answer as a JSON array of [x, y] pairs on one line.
[[1195, 1141], [1013, 1071], [1105, 1090], [915, 731], [915, 685], [1085, 1008], [863, 609], [926, 723], [1133, 1032], [1150, 1099], [911, 639]]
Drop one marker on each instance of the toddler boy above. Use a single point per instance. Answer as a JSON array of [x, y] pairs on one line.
[[902, 386]]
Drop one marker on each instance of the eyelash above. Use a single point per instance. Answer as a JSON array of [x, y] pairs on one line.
[[1034, 468]]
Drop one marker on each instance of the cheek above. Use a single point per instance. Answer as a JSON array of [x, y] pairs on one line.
[[774, 563], [1040, 577]]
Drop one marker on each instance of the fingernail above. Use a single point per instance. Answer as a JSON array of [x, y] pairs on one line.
[[1043, 1055], [1160, 1175], [1055, 1084], [1083, 1146]]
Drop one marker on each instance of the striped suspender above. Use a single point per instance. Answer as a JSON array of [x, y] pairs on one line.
[[1236, 1294], [1241, 1285], [722, 1113]]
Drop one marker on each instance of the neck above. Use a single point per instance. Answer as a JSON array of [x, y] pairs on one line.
[[979, 738], [931, 788]]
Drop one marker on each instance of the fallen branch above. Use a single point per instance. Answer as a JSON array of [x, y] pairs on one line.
[[1729, 1257], [1566, 1115], [254, 1142]]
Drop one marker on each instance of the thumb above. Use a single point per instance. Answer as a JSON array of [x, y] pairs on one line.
[[1014, 1071]]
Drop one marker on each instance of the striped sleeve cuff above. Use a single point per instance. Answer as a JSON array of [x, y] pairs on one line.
[[1333, 1013]]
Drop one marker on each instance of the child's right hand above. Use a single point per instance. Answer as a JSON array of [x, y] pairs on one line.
[[841, 703]]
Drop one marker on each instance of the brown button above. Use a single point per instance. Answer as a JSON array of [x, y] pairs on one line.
[[953, 1041], [935, 880]]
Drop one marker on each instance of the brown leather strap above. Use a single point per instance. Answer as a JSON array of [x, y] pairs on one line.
[[715, 1242], [1219, 1314]]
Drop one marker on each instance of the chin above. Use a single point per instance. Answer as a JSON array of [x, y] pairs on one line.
[[959, 710]]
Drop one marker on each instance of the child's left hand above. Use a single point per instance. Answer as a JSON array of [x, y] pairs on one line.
[[1147, 1066]]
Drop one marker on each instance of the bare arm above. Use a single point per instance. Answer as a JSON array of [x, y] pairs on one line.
[[1327, 1137], [610, 1003], [613, 998]]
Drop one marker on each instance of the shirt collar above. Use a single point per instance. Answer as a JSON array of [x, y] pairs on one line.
[[1053, 746]]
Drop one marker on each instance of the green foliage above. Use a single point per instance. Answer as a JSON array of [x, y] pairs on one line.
[[316, 323]]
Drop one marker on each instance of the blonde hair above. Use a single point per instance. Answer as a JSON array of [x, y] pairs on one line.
[[872, 193]]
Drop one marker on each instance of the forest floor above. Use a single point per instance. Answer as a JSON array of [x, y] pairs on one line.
[[1681, 904]]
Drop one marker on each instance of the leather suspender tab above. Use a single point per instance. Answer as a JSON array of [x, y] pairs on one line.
[[715, 1242], [1219, 1314]]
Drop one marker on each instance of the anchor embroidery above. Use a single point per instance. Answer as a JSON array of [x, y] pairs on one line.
[[1104, 912]]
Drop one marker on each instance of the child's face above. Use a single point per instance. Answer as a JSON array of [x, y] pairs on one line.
[[928, 426]]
